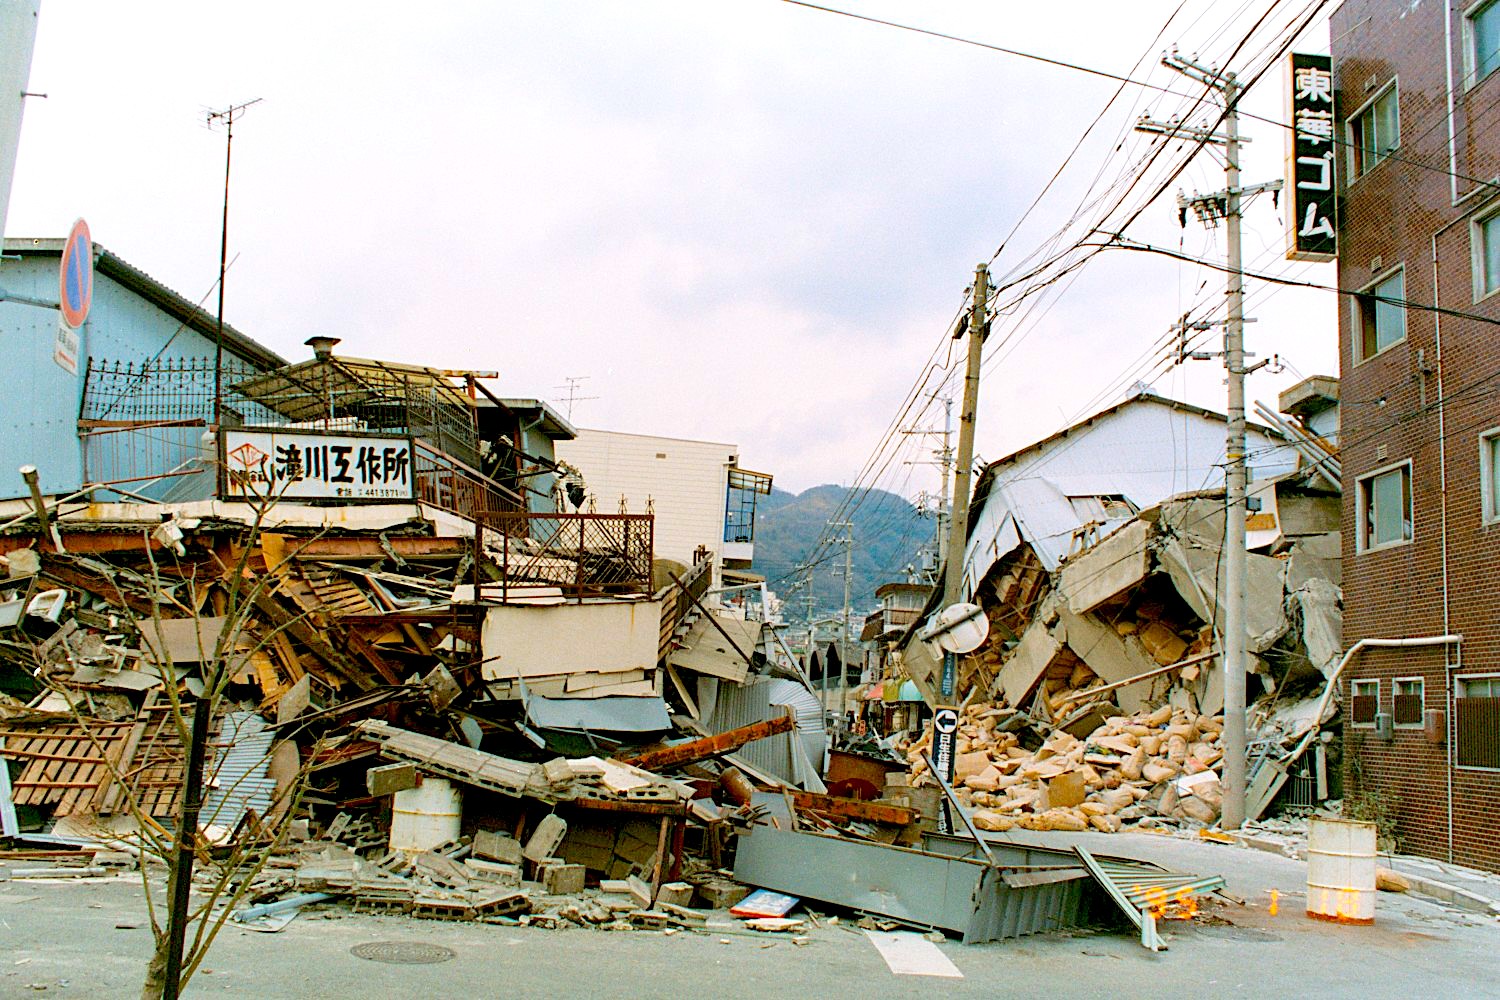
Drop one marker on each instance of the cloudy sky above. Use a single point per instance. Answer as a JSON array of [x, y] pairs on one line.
[[744, 221]]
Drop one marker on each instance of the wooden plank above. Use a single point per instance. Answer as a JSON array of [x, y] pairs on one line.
[[712, 746], [858, 809]]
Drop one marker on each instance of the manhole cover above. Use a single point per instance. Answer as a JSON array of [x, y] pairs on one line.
[[403, 952]]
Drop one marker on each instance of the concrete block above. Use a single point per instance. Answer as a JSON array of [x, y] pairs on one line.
[[390, 779], [676, 893], [545, 838], [495, 846], [562, 879]]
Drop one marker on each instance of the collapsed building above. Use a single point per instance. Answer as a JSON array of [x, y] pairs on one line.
[[1095, 701]]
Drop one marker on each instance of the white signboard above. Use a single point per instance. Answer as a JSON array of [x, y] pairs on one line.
[[299, 465], [65, 348]]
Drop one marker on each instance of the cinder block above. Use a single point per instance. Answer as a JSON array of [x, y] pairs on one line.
[[545, 838], [563, 879]]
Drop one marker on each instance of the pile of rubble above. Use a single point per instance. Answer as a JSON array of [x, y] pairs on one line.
[[496, 729], [1096, 701], [1158, 763]]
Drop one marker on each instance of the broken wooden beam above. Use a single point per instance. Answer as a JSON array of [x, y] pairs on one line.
[[711, 746], [858, 809]]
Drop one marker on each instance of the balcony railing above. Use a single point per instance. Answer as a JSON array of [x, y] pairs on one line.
[[445, 482], [582, 555]]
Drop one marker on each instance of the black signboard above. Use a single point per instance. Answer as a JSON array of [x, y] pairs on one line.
[[1312, 159]]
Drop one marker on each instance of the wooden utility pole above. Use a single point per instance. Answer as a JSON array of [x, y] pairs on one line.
[[958, 529]]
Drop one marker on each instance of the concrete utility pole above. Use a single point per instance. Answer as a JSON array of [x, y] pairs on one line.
[[944, 462], [1209, 208], [848, 541], [1235, 737]]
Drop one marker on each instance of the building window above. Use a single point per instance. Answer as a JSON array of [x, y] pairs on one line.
[[1406, 704], [1374, 131], [1384, 505], [1365, 702], [1380, 315], [1477, 721], [1486, 240], [1489, 474], [744, 487], [1482, 31]]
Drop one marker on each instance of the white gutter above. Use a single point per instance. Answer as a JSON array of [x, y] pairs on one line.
[[1333, 679]]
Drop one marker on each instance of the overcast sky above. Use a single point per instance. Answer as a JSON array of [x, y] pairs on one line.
[[741, 221]]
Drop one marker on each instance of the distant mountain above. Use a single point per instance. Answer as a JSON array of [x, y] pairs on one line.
[[888, 531]]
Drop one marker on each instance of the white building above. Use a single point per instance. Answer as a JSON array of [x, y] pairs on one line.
[[696, 489]]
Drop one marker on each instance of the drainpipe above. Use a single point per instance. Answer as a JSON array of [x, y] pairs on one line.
[[1437, 336], [1452, 132]]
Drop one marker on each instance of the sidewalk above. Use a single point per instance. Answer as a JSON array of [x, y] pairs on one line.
[[1463, 887]]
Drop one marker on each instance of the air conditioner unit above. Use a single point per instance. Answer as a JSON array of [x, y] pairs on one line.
[[1384, 726], [1435, 725]]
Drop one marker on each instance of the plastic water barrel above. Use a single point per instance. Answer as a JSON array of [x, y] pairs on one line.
[[425, 816], [1341, 871]]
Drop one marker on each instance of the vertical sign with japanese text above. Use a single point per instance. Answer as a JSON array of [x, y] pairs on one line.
[[309, 466], [944, 743], [1312, 158]]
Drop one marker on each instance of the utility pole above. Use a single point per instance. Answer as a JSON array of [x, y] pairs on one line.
[[848, 540], [1228, 205], [945, 714], [958, 529], [944, 462], [227, 116]]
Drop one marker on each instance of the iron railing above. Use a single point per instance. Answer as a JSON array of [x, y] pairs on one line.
[[444, 482], [582, 555]]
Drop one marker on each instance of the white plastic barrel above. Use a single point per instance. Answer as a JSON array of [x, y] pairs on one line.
[[425, 816], [1341, 871]]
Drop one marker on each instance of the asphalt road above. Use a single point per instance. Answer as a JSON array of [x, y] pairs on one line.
[[89, 939]]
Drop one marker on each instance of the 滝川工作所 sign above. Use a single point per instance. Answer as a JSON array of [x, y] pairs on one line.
[[309, 466]]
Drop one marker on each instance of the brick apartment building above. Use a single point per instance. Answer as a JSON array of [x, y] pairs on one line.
[[1417, 105]]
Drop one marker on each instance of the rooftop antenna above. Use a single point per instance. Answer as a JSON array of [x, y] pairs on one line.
[[574, 383], [227, 118]]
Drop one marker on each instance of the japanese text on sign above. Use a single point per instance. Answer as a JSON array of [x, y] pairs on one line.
[[1312, 215], [304, 466]]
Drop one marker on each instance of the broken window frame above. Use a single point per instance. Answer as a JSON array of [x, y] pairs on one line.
[[1371, 689], [1414, 687], [741, 488], [1379, 325], [1464, 690], [1367, 510], [1373, 131]]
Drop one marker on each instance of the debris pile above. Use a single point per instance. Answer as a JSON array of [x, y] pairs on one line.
[[1095, 702], [1158, 763], [501, 728]]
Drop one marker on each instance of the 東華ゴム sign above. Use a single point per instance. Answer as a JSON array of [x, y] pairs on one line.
[[1312, 158], [310, 466]]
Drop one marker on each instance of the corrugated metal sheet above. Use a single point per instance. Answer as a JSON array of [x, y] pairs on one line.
[[928, 889], [795, 757], [1147, 451], [239, 778]]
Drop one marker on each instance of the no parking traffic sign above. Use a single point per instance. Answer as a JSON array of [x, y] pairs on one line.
[[75, 293], [76, 276]]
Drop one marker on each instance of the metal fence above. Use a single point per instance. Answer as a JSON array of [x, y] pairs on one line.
[[583, 555], [447, 483]]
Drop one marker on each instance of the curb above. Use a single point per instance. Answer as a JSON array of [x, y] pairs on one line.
[[1451, 894]]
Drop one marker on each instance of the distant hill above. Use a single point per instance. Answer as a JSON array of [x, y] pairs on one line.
[[888, 532]]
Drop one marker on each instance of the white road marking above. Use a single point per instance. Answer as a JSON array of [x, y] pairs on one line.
[[908, 953]]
